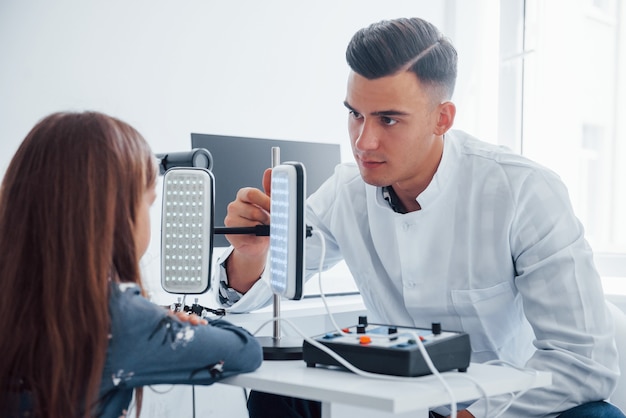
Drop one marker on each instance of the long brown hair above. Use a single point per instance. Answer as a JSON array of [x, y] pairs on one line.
[[68, 205]]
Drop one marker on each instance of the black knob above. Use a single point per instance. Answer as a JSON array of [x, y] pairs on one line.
[[436, 328], [363, 320]]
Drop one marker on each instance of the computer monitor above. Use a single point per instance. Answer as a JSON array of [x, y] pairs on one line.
[[240, 162]]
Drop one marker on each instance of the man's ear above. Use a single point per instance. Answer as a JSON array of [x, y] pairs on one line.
[[446, 112]]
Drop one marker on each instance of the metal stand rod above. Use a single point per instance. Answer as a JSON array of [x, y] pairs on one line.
[[277, 331]]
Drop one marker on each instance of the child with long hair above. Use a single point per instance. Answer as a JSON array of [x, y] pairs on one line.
[[76, 334]]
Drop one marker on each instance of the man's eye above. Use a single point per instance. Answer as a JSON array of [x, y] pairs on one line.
[[388, 121], [355, 114]]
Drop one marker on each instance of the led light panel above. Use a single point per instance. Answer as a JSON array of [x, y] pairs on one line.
[[287, 230], [187, 230]]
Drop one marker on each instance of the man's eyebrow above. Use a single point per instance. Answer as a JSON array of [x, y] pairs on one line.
[[379, 112], [389, 113]]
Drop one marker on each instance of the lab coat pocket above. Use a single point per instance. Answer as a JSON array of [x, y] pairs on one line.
[[487, 315]]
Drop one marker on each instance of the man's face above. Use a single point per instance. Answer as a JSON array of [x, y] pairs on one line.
[[392, 124]]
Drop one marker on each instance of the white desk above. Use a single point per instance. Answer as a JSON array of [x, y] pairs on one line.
[[344, 394]]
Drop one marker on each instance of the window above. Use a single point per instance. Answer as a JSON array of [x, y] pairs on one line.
[[571, 90]]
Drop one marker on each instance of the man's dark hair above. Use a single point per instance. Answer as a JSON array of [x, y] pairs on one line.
[[390, 46]]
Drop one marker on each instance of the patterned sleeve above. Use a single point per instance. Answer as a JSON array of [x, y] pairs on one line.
[[149, 346]]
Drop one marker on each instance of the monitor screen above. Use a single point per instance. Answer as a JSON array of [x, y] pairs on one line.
[[240, 162]]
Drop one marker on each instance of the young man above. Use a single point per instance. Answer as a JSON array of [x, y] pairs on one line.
[[437, 226]]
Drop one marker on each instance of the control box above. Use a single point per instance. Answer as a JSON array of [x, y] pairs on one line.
[[392, 350]]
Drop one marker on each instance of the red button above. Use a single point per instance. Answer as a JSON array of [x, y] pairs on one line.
[[364, 340]]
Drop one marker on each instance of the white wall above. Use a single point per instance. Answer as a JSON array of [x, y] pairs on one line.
[[271, 69]]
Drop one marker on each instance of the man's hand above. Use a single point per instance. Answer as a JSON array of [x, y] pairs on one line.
[[251, 207]]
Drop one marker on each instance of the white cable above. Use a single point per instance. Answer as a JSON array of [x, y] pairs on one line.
[[479, 386], [517, 395], [161, 392], [319, 279]]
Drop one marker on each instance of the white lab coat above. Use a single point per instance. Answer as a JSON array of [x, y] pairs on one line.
[[496, 251]]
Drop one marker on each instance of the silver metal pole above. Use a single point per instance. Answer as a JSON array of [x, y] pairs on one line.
[[277, 332]]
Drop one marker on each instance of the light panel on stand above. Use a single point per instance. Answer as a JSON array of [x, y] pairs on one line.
[[187, 230], [287, 230]]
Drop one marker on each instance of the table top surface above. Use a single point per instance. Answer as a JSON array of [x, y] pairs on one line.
[[294, 378]]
